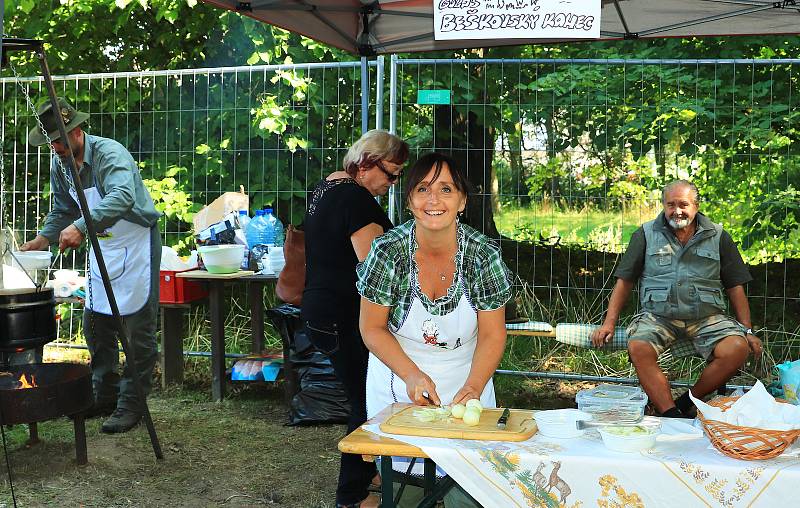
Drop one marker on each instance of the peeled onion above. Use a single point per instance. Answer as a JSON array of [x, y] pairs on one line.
[[458, 410], [472, 416], [476, 403]]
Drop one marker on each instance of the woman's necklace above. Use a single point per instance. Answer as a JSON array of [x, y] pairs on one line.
[[440, 271]]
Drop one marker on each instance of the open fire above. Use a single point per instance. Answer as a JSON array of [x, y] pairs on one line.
[[25, 383], [38, 392]]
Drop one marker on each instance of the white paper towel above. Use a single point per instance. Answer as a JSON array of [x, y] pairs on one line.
[[756, 408]]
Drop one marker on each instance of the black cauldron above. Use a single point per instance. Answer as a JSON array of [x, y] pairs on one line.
[[27, 318]]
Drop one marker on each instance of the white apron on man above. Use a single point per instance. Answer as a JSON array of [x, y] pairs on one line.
[[126, 252]]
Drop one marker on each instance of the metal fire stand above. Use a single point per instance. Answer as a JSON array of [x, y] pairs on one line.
[[37, 47]]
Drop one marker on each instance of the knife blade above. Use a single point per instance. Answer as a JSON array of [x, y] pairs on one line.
[[501, 422]]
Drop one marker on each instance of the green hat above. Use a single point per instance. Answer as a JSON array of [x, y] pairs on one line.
[[72, 118]]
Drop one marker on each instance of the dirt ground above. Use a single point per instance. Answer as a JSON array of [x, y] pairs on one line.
[[234, 453]]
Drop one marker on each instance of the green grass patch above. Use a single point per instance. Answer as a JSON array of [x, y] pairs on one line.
[[607, 231]]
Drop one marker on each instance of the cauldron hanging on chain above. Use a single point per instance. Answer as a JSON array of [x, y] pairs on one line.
[[27, 318]]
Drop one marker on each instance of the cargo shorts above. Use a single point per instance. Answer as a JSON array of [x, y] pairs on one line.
[[684, 337]]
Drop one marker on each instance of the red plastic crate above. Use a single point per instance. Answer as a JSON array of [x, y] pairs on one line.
[[178, 290]]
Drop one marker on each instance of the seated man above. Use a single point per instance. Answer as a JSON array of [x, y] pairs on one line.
[[682, 261]]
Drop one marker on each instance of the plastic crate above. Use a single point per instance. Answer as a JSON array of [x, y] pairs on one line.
[[178, 290]]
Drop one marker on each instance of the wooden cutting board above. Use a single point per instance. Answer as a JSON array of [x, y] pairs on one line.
[[202, 274], [520, 426]]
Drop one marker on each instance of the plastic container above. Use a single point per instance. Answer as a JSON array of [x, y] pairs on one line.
[[222, 258], [178, 290], [244, 220], [560, 423], [623, 400], [631, 439], [276, 228], [276, 259], [256, 234], [33, 259]]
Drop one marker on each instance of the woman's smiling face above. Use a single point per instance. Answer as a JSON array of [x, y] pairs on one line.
[[435, 204]]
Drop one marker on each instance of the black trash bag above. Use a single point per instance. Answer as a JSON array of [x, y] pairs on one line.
[[313, 392]]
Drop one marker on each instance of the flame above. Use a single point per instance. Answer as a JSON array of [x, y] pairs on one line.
[[24, 383]]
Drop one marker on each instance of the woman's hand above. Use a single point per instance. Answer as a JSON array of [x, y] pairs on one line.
[[466, 393], [418, 385]]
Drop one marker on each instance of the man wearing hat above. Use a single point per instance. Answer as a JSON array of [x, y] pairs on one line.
[[127, 229]]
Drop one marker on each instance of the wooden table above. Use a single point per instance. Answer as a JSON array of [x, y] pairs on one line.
[[173, 353], [369, 445]]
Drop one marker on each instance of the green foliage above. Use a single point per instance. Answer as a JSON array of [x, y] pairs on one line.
[[575, 133], [768, 223], [189, 132]]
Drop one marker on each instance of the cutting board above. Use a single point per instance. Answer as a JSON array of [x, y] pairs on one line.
[[520, 426], [202, 274]]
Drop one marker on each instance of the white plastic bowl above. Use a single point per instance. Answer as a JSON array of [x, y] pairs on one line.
[[34, 259], [560, 423], [643, 439], [222, 258]]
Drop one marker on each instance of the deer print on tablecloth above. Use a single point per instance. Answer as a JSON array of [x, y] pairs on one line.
[[538, 477], [559, 484]]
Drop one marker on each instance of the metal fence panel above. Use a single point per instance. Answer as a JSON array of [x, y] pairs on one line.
[[568, 158]]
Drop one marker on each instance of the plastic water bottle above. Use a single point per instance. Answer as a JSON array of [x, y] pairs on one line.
[[244, 220], [254, 233], [275, 229]]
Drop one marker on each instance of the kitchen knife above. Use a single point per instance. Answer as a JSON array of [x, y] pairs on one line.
[[501, 422]]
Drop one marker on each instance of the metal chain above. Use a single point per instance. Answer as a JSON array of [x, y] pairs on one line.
[[66, 174], [67, 177]]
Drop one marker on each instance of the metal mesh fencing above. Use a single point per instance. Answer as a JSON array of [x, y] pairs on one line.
[[272, 130], [568, 158]]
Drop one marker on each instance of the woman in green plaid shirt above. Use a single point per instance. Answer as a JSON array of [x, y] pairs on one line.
[[433, 297]]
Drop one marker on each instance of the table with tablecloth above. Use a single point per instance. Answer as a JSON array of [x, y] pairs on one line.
[[550, 472]]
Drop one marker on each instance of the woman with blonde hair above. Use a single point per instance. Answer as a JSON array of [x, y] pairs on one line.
[[342, 220]]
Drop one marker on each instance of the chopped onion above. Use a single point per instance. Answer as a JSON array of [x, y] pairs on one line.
[[431, 414], [458, 410]]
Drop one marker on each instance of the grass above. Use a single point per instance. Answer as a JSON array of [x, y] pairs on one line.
[[234, 453], [608, 231]]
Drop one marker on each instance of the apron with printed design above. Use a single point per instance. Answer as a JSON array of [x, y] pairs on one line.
[[441, 346], [127, 258]]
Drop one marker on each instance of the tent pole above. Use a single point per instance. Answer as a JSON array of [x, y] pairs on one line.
[[364, 95], [379, 96], [394, 210]]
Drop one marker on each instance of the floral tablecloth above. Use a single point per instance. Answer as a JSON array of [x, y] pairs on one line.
[[547, 472]]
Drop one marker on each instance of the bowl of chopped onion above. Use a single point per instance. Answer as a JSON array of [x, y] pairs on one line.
[[631, 438]]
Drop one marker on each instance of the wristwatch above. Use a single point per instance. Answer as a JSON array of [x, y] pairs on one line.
[[749, 331]]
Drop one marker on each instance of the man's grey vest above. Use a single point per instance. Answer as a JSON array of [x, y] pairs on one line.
[[681, 282]]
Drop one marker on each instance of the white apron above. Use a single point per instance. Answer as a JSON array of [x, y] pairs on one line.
[[126, 252], [441, 346]]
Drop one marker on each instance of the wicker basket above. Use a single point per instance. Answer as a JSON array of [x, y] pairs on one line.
[[745, 443]]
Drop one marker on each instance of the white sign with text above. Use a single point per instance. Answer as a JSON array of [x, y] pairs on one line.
[[516, 19]]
